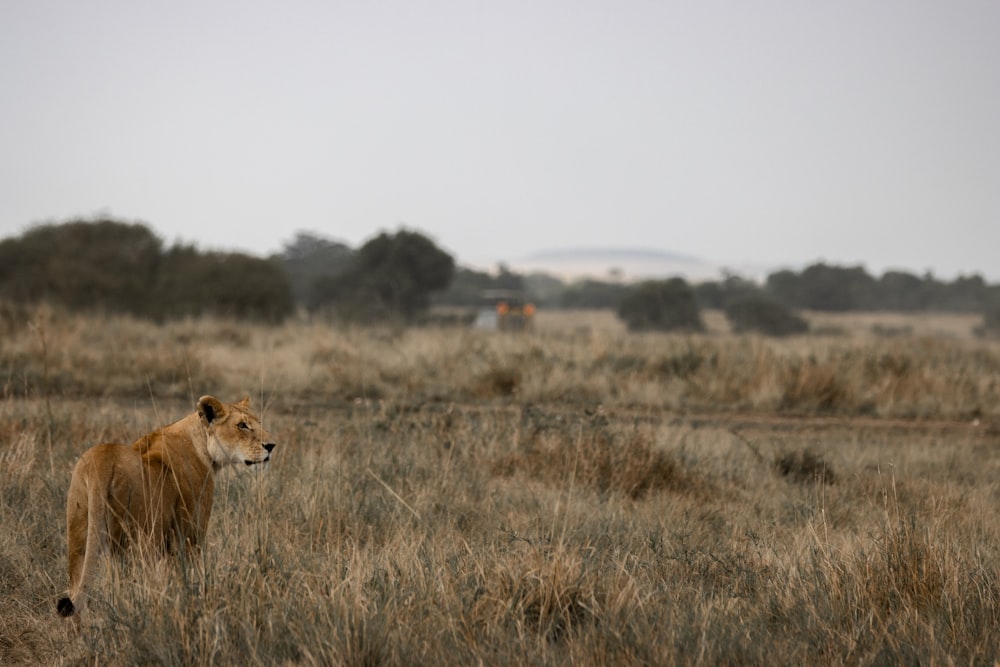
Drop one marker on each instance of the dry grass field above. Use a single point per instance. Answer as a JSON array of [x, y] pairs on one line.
[[575, 496]]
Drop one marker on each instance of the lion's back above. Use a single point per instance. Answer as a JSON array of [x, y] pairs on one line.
[[107, 459], [115, 470]]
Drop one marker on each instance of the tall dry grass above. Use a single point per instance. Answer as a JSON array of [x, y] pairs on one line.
[[58, 356], [572, 497]]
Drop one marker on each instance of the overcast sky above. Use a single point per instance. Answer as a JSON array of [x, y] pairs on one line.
[[773, 133]]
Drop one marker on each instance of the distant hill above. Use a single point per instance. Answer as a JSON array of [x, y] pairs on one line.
[[618, 263]]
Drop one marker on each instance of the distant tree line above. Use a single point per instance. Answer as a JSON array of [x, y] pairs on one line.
[[119, 267], [819, 287], [771, 308], [824, 287], [112, 266]]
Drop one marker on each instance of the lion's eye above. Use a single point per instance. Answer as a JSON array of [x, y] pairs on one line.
[[243, 425]]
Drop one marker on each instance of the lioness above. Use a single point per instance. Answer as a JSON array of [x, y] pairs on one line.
[[158, 491]]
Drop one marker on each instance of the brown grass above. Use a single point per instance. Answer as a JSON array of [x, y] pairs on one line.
[[576, 496]]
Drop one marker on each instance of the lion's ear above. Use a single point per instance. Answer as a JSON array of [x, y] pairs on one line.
[[209, 408], [245, 403]]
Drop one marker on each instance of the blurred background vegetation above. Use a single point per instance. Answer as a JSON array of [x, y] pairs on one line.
[[119, 267]]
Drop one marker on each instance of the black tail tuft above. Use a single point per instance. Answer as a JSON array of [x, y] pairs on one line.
[[65, 607]]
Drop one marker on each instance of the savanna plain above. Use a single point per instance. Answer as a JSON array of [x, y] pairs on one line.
[[575, 495]]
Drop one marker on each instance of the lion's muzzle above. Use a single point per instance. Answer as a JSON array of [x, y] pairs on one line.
[[268, 446]]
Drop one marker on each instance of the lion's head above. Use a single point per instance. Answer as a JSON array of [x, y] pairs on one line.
[[235, 434]]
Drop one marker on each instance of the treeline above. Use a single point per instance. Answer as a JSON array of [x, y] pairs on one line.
[[120, 267], [770, 307], [773, 308], [835, 288], [819, 287]]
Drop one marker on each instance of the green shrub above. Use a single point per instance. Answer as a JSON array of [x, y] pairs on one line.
[[764, 315], [661, 305]]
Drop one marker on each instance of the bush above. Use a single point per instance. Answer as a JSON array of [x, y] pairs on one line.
[[101, 264], [664, 305], [763, 315], [990, 328]]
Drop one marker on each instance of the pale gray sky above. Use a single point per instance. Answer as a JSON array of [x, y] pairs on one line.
[[775, 132]]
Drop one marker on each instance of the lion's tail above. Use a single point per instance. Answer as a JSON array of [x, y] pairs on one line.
[[83, 558]]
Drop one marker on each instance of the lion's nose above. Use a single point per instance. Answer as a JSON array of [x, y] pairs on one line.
[[268, 446]]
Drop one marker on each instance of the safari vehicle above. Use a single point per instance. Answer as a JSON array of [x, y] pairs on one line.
[[508, 310]]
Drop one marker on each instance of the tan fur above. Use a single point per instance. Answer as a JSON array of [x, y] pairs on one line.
[[158, 492]]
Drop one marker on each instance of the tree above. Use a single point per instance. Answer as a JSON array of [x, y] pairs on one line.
[[665, 305], [760, 313], [785, 286], [192, 283], [899, 290], [309, 259], [966, 293], [717, 294], [82, 264], [390, 277], [824, 287]]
